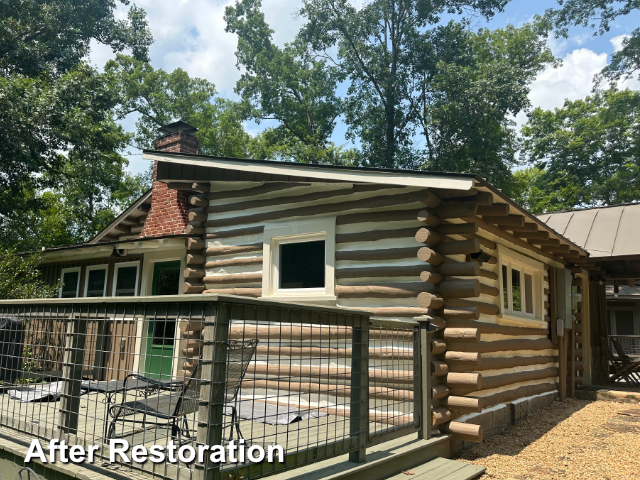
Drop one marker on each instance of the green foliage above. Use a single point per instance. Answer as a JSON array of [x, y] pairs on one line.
[[600, 15], [161, 97], [587, 152], [20, 277]]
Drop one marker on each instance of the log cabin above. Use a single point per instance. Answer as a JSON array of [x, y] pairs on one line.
[[507, 295]]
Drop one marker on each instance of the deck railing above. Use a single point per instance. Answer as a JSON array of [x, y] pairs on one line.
[[196, 371], [630, 344]]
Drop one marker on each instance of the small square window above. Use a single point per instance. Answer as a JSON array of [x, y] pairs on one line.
[[521, 289], [302, 265]]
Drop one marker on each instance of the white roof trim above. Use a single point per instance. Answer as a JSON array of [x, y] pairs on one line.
[[354, 176]]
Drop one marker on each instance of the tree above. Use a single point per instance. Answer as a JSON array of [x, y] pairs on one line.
[[160, 97], [589, 151], [600, 15], [290, 85], [20, 277], [384, 49]]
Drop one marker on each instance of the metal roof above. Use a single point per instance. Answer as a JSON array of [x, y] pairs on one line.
[[603, 231]]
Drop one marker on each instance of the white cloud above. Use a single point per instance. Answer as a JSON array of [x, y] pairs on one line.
[[617, 42]]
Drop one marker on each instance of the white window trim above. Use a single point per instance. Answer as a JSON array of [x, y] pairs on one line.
[[528, 265], [91, 268], [68, 270], [118, 266], [292, 232]]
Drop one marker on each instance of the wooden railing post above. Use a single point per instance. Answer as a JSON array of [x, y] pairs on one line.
[[76, 337], [215, 340], [359, 398], [425, 380]]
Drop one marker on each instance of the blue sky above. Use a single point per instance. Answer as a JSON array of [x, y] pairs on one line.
[[190, 34]]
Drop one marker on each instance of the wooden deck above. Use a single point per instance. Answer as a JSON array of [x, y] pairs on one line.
[[441, 469]]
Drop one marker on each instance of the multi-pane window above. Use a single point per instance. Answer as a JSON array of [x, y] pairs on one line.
[[69, 282], [521, 289], [126, 280], [96, 281]]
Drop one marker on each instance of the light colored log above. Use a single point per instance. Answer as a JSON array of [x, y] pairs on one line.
[[428, 218], [438, 368], [194, 229], [456, 210], [193, 259], [253, 191], [231, 249], [484, 327], [190, 352], [440, 415], [431, 200], [394, 311], [298, 333], [197, 217], [200, 187], [497, 209], [438, 347], [376, 254], [236, 232], [427, 236], [239, 291], [430, 300], [462, 358], [498, 363], [485, 308], [462, 334], [430, 277], [469, 381], [195, 244], [502, 346], [385, 353], [385, 216], [233, 262], [517, 393], [193, 287], [191, 334], [505, 221], [325, 371], [465, 404], [459, 288], [462, 313], [464, 431], [374, 235], [437, 321], [199, 200], [194, 272], [393, 271], [461, 247], [458, 229], [439, 391], [425, 254], [391, 290], [496, 381], [191, 325], [233, 278], [460, 269]]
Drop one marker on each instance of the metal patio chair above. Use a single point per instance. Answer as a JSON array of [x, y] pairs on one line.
[[622, 369], [173, 407], [625, 359]]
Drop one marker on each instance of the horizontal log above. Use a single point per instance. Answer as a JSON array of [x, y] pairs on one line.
[[458, 229], [394, 311], [499, 363], [190, 272], [195, 244], [430, 277], [496, 381], [233, 278], [236, 232], [578, 327], [430, 300], [325, 371], [438, 347], [193, 287], [502, 346], [428, 218], [488, 274], [489, 290], [194, 229], [470, 381], [460, 269], [427, 236], [425, 254], [253, 191], [462, 334], [375, 235], [456, 210], [199, 200], [497, 209], [459, 288], [505, 221], [393, 271], [191, 325], [488, 244], [279, 332], [321, 209], [464, 404], [580, 366], [325, 353], [234, 262], [440, 415], [198, 216], [191, 334], [377, 254], [431, 200], [485, 327], [481, 198], [464, 431], [391, 290], [233, 249], [438, 368], [459, 247], [439, 391], [462, 358], [539, 235], [179, 186], [190, 352], [193, 259], [485, 308], [384, 216], [517, 393], [239, 291], [461, 313]]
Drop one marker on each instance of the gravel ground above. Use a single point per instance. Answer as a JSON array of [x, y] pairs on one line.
[[579, 439]]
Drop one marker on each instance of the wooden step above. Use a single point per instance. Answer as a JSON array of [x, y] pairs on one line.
[[441, 469]]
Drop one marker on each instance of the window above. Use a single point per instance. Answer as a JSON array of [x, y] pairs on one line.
[[298, 259], [95, 284], [621, 321], [70, 280], [125, 283], [521, 285]]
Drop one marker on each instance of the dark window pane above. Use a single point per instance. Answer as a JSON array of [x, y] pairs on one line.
[[169, 281], [96, 282], [515, 288], [126, 281], [70, 284], [624, 322], [164, 332], [302, 265], [505, 286], [528, 291]]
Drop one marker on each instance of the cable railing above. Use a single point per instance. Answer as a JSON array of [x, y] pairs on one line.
[[216, 385]]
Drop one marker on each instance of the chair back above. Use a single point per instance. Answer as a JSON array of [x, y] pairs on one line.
[[190, 395], [239, 355], [619, 349], [605, 345]]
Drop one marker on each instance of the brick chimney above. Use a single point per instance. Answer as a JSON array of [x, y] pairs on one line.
[[169, 210]]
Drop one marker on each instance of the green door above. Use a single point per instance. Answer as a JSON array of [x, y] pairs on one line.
[[161, 333]]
